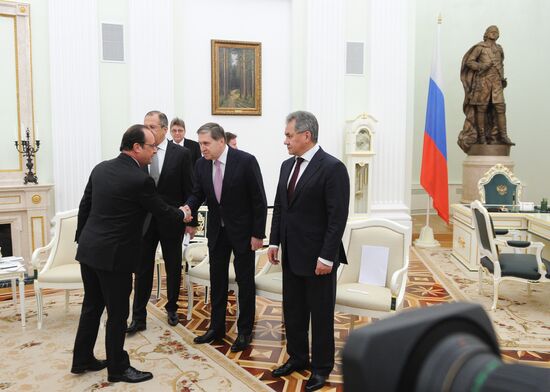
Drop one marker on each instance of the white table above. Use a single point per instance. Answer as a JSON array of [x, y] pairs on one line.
[[529, 226], [14, 273]]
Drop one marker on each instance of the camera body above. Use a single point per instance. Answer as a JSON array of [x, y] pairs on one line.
[[398, 353]]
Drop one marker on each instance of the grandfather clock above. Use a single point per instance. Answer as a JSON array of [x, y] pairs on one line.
[[359, 153]]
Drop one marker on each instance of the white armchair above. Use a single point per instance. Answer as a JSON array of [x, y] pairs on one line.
[[269, 281], [61, 270], [366, 299]]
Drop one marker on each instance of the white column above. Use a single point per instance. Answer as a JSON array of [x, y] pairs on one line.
[[150, 54], [325, 55], [390, 65], [75, 112]]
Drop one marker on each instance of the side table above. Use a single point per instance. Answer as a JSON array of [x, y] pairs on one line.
[[14, 270]]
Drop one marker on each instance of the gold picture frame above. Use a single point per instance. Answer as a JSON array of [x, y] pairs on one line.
[[236, 77]]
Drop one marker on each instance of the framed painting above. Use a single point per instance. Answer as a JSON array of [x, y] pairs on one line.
[[236, 77]]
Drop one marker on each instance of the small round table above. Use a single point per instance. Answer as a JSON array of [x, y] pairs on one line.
[[15, 270]]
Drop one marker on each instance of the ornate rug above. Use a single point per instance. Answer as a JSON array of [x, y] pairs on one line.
[[522, 322], [39, 360]]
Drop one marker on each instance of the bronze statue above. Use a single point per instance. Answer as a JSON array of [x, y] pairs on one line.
[[482, 75]]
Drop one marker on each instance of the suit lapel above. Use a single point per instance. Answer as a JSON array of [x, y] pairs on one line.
[[285, 175], [311, 169], [208, 176], [230, 169], [167, 156]]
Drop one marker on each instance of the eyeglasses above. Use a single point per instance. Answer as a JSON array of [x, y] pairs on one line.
[[153, 146]]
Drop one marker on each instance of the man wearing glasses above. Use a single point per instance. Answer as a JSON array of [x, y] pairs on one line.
[[110, 219], [171, 169]]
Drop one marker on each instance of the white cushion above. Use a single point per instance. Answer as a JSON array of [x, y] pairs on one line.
[[66, 273], [196, 254], [358, 295], [202, 271], [272, 283]]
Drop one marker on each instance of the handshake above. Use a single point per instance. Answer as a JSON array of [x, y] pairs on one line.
[[187, 213]]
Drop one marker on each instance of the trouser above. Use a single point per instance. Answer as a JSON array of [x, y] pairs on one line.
[[103, 289], [306, 297], [219, 274], [143, 282]]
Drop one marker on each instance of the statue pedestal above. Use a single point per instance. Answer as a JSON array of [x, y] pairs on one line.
[[475, 166]]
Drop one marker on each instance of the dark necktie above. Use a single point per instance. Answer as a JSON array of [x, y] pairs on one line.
[[293, 179]]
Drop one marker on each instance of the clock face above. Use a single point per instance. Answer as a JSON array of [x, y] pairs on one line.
[[362, 140]]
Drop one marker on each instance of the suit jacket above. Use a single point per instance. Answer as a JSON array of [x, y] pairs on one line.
[[312, 224], [243, 205], [174, 186], [195, 149], [111, 214]]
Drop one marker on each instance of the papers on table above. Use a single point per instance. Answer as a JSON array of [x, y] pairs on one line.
[[374, 265], [10, 263]]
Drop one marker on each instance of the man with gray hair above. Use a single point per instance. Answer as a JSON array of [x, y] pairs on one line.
[[171, 169], [230, 182], [309, 217]]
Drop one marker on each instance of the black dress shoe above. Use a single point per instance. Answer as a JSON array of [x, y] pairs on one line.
[[315, 382], [136, 326], [241, 343], [173, 319], [130, 375], [286, 369], [93, 366], [208, 337]]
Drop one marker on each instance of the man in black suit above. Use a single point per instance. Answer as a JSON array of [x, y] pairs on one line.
[[231, 183], [177, 130], [110, 220], [171, 168], [309, 217]]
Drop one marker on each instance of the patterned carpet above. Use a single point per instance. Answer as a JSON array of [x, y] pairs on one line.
[[267, 349], [39, 360]]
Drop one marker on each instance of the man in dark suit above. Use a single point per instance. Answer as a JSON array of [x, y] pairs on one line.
[[177, 130], [231, 183], [171, 168], [110, 220], [309, 217]]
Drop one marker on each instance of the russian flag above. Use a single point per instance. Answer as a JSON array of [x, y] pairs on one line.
[[433, 176]]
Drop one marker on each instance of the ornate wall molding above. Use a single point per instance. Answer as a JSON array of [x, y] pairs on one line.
[[150, 55], [388, 93], [325, 67], [75, 109]]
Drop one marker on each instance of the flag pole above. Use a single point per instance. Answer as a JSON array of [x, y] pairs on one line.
[[426, 238]]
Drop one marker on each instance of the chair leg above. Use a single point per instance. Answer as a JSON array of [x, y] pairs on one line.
[[38, 295], [206, 295], [495, 294], [351, 322], [480, 280], [158, 281], [238, 310], [529, 288], [189, 299], [67, 300]]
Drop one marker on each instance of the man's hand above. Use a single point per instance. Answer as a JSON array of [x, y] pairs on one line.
[[191, 231], [256, 243], [187, 211], [504, 83], [272, 254], [322, 269]]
